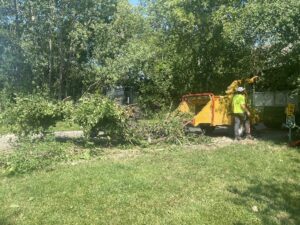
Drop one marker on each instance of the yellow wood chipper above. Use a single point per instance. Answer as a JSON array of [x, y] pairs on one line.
[[209, 110]]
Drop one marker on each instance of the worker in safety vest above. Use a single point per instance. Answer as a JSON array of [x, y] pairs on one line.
[[241, 113]]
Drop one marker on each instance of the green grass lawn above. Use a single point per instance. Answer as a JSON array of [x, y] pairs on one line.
[[64, 126], [238, 184]]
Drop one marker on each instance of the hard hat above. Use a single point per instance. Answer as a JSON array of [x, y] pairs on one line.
[[240, 89]]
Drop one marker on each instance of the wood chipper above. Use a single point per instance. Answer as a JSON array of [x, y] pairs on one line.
[[209, 110]]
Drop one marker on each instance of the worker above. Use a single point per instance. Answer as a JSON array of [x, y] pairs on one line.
[[241, 113]]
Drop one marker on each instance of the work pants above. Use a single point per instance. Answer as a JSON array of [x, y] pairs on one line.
[[241, 119]]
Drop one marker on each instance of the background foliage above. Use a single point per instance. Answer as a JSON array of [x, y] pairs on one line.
[[32, 114], [173, 47]]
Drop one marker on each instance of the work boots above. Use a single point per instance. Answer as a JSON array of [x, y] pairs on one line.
[[237, 138], [249, 137]]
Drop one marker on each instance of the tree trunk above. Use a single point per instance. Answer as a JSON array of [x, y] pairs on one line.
[[50, 63], [16, 6], [61, 67], [61, 53], [61, 77]]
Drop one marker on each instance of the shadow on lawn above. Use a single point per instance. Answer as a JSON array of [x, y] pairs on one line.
[[4, 221], [93, 142], [278, 203], [276, 136]]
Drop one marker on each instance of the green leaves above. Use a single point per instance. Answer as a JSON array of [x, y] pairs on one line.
[[266, 33], [95, 113], [32, 114], [173, 46]]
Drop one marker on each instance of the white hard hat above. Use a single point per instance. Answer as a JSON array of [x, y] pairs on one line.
[[240, 89]]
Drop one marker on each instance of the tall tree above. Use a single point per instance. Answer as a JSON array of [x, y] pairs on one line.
[[268, 34]]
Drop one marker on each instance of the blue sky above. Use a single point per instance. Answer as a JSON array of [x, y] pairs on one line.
[[134, 2]]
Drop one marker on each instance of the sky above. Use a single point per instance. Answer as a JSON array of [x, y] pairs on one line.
[[134, 2]]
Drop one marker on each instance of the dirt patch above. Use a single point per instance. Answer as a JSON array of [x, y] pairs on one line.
[[68, 134], [6, 142], [222, 141]]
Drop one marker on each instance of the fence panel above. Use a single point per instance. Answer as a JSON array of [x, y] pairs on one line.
[[269, 99]]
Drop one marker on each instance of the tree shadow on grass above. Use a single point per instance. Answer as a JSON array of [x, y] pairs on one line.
[[275, 136], [278, 203], [4, 220], [92, 142]]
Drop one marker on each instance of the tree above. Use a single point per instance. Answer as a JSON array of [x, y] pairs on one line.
[[170, 46], [268, 32]]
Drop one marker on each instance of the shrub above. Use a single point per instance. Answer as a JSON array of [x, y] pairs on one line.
[[95, 113], [6, 98], [32, 114]]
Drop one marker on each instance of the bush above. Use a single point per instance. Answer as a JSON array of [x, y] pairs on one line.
[[32, 114], [95, 113], [6, 98]]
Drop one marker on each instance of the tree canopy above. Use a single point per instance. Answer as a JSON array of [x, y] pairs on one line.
[[161, 48]]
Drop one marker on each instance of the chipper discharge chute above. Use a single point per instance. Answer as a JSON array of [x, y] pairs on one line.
[[210, 110]]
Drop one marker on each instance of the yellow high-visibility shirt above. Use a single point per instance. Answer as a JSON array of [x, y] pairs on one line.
[[237, 102]]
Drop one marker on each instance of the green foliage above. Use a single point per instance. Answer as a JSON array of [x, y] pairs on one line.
[[29, 157], [169, 130], [42, 155], [173, 47], [32, 114], [6, 99], [66, 125], [266, 39], [153, 101], [66, 108], [95, 113], [164, 128]]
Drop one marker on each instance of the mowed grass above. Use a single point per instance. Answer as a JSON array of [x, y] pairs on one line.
[[255, 183]]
